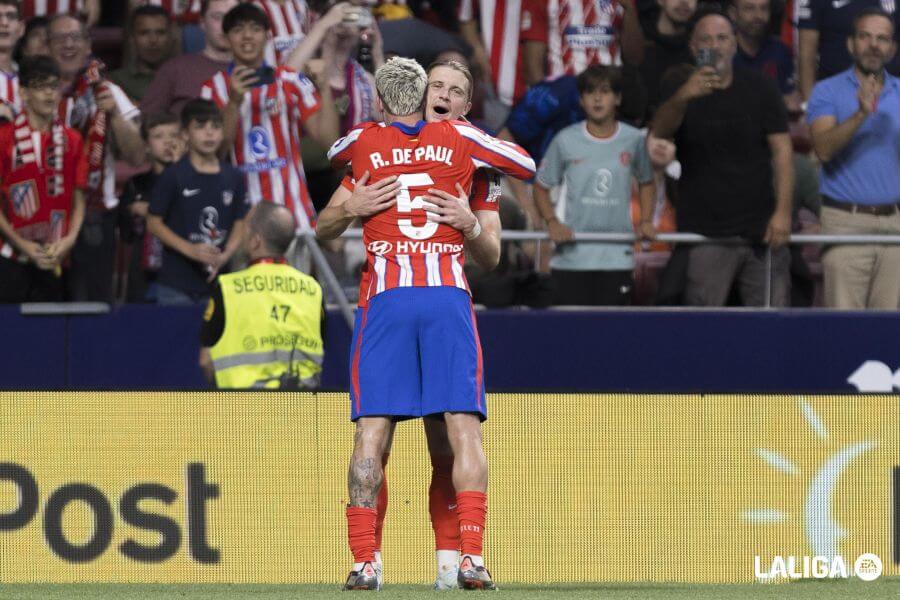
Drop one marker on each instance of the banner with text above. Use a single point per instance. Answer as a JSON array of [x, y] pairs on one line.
[[251, 487]]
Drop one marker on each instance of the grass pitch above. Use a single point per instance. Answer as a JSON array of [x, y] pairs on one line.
[[885, 589]]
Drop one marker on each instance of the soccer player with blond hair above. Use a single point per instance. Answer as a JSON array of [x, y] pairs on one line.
[[448, 97], [415, 349]]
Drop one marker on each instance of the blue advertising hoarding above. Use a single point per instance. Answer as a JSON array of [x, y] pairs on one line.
[[666, 350]]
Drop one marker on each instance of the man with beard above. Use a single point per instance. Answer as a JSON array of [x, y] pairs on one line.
[[756, 48], [730, 127], [855, 119]]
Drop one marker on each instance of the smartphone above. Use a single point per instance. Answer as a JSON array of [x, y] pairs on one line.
[[359, 16], [265, 75], [707, 57]]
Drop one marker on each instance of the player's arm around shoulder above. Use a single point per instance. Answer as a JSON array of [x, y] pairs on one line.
[[362, 201], [487, 151], [341, 152]]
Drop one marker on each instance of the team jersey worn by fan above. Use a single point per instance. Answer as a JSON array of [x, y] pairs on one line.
[[403, 247], [29, 9], [183, 11], [36, 189], [289, 21], [9, 91], [267, 140], [500, 21], [578, 33]]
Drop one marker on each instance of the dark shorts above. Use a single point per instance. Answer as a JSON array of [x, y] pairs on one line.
[[415, 352]]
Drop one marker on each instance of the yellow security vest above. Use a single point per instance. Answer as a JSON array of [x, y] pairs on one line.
[[273, 318]]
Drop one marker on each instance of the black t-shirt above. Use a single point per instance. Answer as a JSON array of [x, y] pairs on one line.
[[660, 54], [726, 163], [201, 208]]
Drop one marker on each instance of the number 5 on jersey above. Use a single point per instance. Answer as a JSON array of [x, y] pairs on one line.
[[405, 204]]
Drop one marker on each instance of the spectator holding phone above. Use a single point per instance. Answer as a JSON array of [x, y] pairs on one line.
[[276, 103], [730, 128]]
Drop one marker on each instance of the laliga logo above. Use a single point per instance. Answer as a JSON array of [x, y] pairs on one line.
[[822, 531], [867, 567], [380, 247], [874, 376]]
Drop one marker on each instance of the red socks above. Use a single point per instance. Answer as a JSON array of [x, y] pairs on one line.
[[471, 508], [461, 529], [381, 503], [361, 533], [441, 498]]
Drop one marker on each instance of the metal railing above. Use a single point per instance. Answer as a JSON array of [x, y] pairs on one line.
[[538, 236]]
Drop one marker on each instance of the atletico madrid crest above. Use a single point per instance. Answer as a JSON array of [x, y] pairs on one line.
[[24, 199]]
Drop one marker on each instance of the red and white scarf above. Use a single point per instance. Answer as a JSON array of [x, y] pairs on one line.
[[28, 150], [92, 124]]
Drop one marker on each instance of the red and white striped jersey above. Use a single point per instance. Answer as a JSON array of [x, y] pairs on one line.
[[499, 21], [578, 33], [267, 140], [183, 11], [403, 247], [47, 8], [485, 193], [290, 21], [9, 91]]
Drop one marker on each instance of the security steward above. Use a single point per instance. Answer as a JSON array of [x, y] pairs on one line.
[[263, 327]]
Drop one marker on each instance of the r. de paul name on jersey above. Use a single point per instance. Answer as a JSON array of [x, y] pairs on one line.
[[407, 156]]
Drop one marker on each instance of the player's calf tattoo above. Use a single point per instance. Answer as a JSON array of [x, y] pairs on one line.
[[363, 481]]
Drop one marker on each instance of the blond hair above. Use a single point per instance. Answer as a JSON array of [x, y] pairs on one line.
[[401, 86], [456, 66]]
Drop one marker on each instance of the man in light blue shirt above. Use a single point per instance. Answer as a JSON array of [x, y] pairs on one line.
[[855, 123], [595, 161]]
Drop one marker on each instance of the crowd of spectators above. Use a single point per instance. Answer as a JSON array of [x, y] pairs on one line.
[[747, 121]]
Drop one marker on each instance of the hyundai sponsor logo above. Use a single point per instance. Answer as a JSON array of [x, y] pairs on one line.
[[380, 247]]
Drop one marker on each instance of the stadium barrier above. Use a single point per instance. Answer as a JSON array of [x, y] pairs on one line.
[[610, 350], [250, 487], [605, 237]]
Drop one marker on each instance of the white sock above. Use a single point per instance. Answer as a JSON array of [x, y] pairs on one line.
[[357, 566], [447, 560], [378, 556]]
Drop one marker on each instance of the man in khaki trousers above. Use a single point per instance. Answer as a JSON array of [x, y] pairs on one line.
[[855, 119]]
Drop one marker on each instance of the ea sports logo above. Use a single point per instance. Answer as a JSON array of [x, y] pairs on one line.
[[380, 247], [868, 567]]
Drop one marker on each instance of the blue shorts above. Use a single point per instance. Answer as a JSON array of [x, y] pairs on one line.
[[415, 352]]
